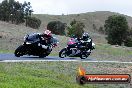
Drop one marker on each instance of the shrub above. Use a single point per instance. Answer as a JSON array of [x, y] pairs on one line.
[[75, 28], [57, 27], [33, 22]]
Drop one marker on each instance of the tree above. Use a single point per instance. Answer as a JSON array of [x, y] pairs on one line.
[[116, 28], [75, 28], [17, 13], [128, 41], [11, 10], [27, 10], [4, 11], [57, 27]]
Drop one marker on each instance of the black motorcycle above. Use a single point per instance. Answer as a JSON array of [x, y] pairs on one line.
[[30, 46], [76, 49]]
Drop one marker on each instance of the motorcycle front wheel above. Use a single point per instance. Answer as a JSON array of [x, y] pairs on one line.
[[42, 56], [19, 51], [62, 53], [84, 55], [45, 54]]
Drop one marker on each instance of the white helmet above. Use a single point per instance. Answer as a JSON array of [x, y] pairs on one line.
[[47, 32]]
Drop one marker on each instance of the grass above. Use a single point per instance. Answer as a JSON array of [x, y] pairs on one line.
[[37, 75], [54, 74], [6, 51], [116, 51], [109, 52]]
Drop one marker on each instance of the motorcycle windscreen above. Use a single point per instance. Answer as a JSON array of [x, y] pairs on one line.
[[54, 40], [32, 38]]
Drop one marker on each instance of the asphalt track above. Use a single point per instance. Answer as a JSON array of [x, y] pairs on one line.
[[12, 58], [48, 58]]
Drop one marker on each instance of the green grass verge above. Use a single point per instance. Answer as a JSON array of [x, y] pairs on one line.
[[6, 51], [115, 51], [112, 53], [50, 74]]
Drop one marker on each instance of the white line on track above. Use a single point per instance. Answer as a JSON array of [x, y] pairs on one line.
[[64, 61]]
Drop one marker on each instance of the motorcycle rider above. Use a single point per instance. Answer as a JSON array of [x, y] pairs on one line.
[[45, 39], [85, 41]]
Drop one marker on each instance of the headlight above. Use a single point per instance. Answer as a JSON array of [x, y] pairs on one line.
[[28, 43]]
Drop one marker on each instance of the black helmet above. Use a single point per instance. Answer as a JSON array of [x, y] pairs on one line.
[[73, 36], [85, 36]]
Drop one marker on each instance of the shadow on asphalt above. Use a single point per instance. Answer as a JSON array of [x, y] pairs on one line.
[[25, 57], [49, 57], [56, 58]]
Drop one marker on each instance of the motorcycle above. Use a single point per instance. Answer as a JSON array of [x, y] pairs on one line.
[[30, 46], [72, 49]]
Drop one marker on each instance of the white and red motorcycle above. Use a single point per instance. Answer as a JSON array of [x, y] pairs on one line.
[[75, 49]]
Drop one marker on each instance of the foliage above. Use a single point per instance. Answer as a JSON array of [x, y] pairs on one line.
[[75, 28], [128, 41], [116, 27], [33, 22], [11, 10], [57, 27], [27, 9], [15, 12]]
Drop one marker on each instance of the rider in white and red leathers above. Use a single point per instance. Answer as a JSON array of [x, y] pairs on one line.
[[45, 39]]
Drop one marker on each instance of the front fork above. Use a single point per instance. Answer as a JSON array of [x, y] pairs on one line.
[[68, 51]]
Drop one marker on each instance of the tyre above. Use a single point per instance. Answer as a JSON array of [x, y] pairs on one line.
[[83, 56], [19, 51], [42, 56], [63, 53]]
